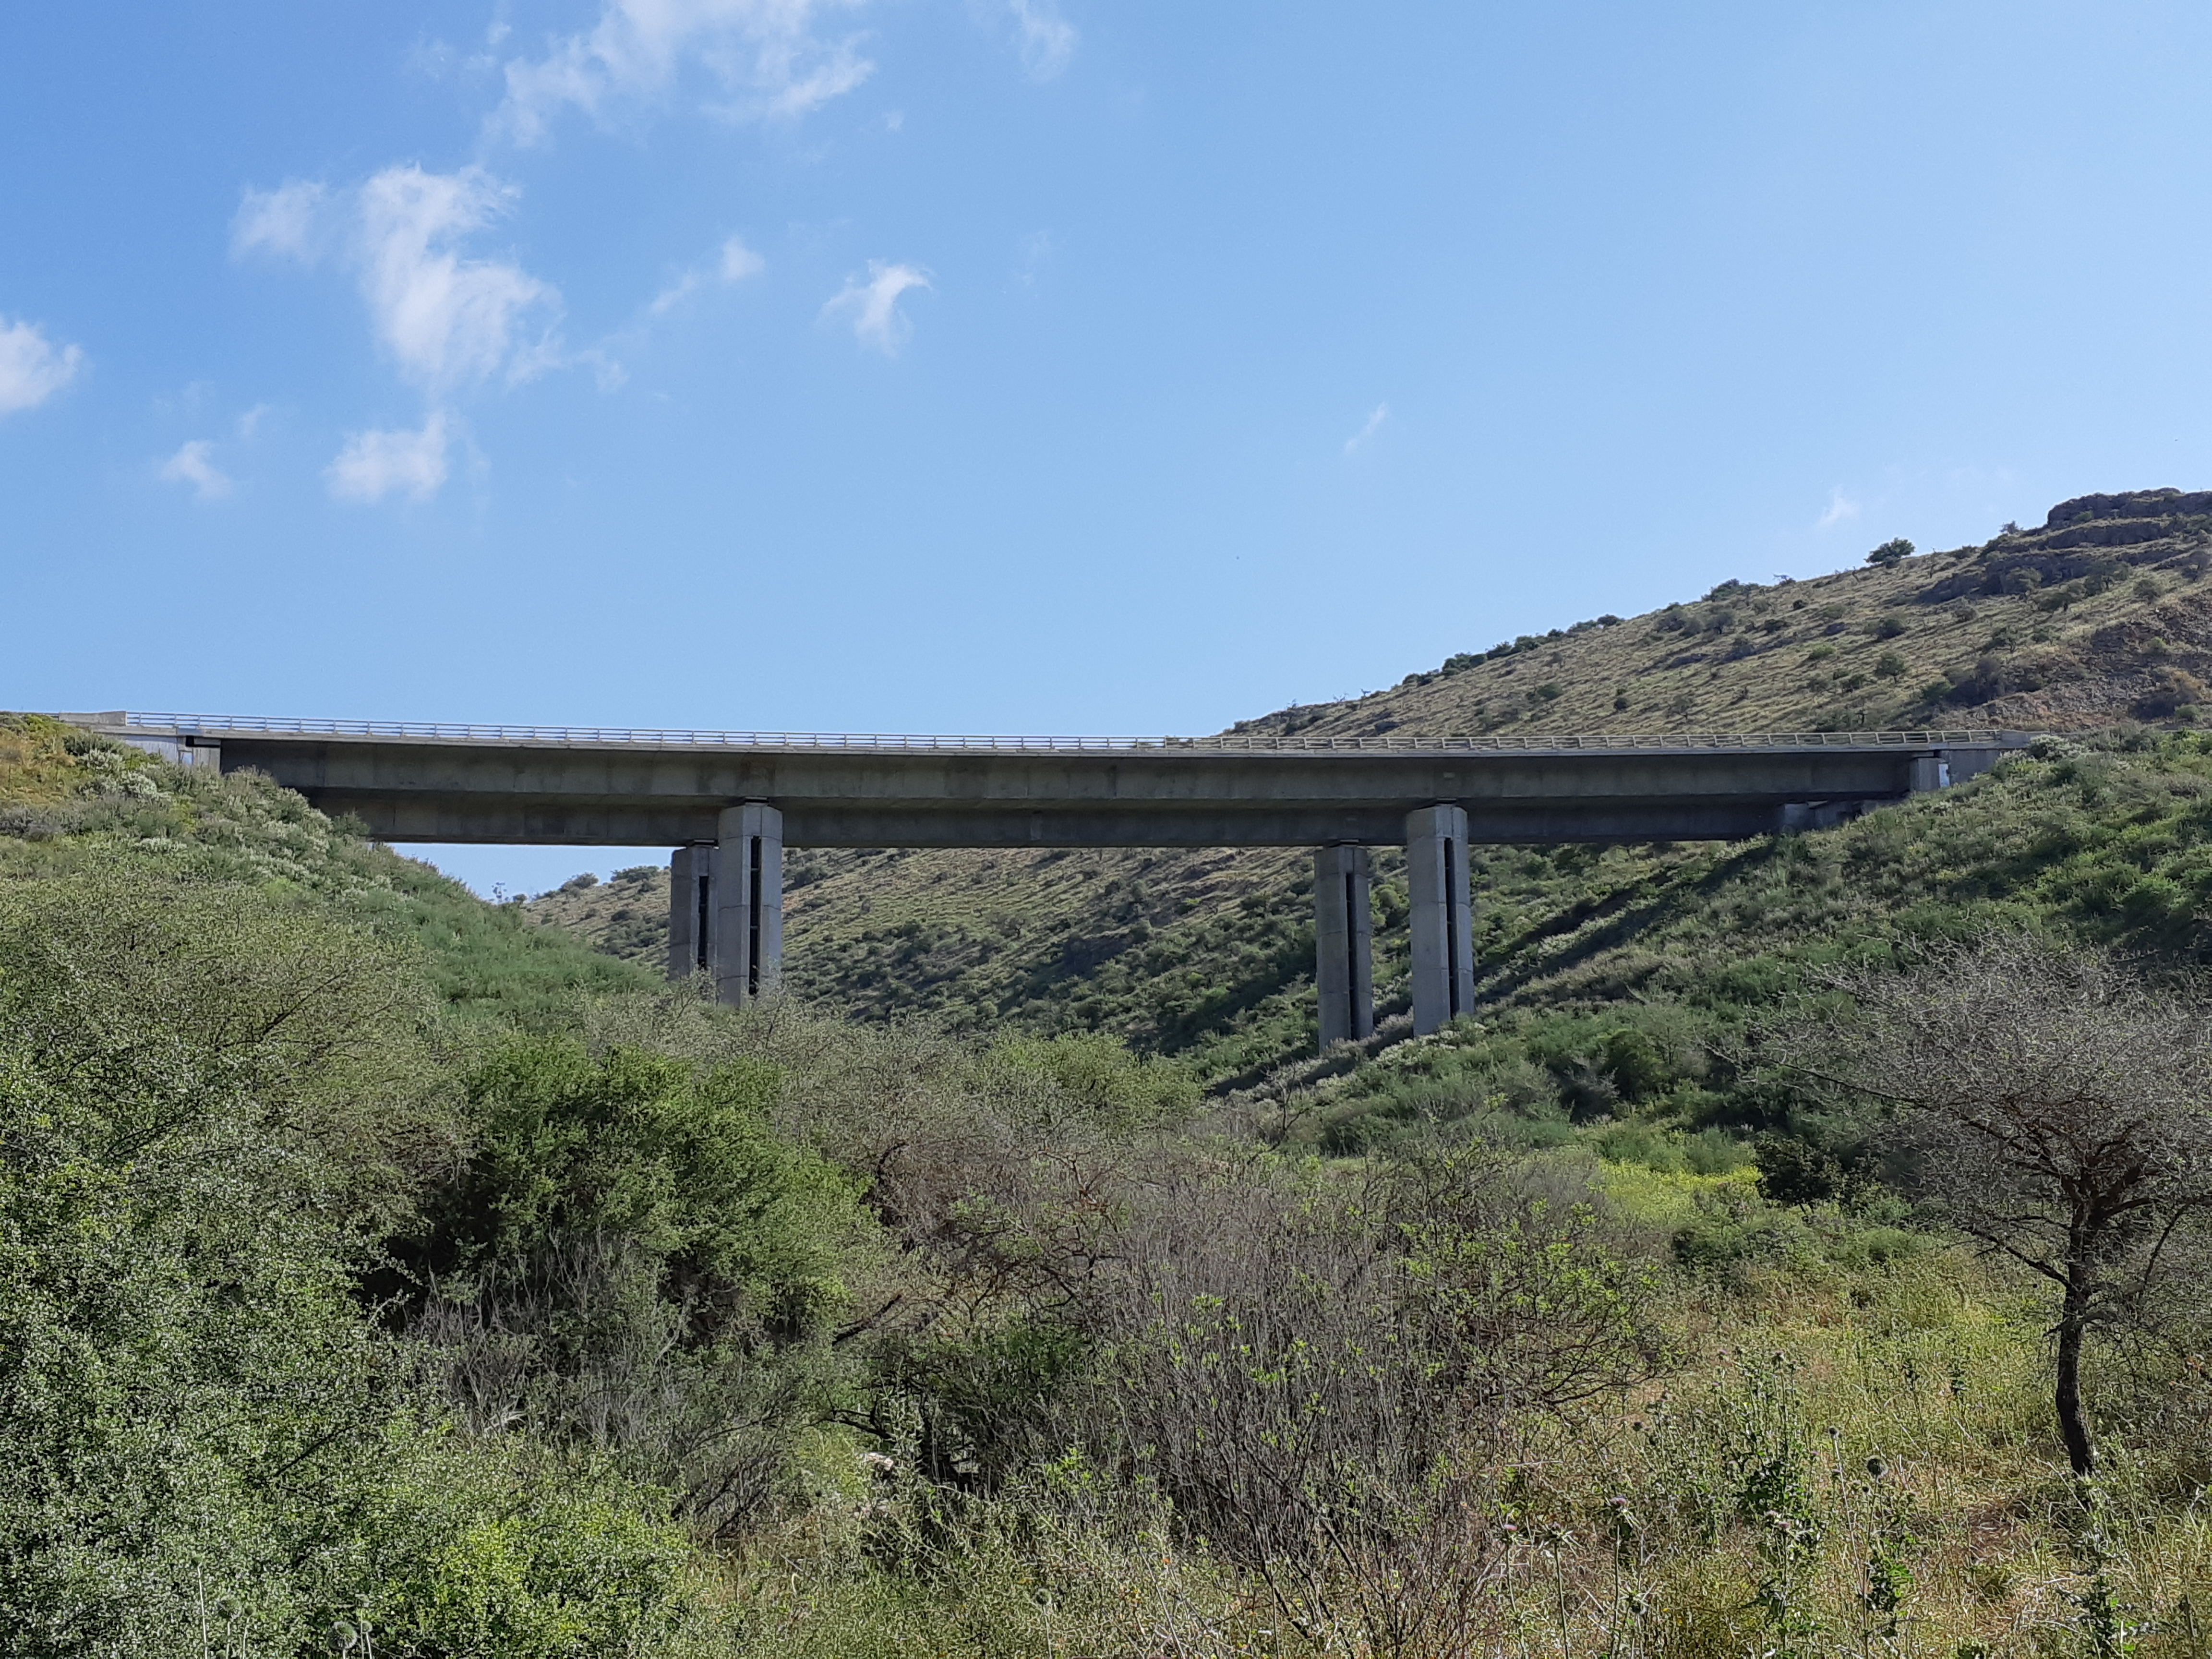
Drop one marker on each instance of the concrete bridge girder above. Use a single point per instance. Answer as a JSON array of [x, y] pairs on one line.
[[460, 774], [730, 811]]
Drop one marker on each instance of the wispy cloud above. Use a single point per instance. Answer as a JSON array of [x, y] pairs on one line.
[[1841, 509], [449, 320], [740, 262], [1374, 424], [375, 464], [764, 56], [1045, 39], [733, 263], [33, 367], [194, 464], [1037, 250], [873, 304], [289, 222]]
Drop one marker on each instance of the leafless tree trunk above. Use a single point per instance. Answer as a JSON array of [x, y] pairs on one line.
[[2049, 1104]]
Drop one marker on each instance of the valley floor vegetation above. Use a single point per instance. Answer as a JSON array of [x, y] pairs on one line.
[[380, 1274]]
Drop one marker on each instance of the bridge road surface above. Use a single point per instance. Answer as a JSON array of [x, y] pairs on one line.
[[729, 802]]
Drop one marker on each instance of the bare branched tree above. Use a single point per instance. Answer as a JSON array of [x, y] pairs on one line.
[[2052, 1106]]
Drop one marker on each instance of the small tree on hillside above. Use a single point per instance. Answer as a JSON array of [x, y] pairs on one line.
[[1891, 552], [2050, 1105]]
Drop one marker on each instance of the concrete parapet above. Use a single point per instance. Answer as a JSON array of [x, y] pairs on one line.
[[1440, 921], [1344, 944]]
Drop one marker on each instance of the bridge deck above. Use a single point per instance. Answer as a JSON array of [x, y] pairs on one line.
[[411, 781]]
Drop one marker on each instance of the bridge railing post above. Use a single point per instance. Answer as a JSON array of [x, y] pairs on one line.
[[748, 904], [1441, 920], [1344, 944]]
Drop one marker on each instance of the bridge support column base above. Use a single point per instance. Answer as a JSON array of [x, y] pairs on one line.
[[1344, 944], [1442, 918], [691, 911], [1930, 772], [747, 947]]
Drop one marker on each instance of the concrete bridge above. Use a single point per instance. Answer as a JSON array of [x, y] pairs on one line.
[[729, 802]]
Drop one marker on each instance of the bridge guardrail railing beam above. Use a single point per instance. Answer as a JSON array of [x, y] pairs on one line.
[[910, 742]]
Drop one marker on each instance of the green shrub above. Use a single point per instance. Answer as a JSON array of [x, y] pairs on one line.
[[675, 1159], [213, 1102], [1091, 1076]]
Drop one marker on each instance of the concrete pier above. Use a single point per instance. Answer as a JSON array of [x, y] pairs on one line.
[[748, 904], [1441, 919], [1344, 944], [691, 911]]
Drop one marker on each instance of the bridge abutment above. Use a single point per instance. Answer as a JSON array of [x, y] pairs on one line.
[[1344, 944], [747, 908], [1440, 921]]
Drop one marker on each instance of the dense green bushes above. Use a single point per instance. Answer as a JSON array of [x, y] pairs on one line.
[[214, 1102], [628, 1260]]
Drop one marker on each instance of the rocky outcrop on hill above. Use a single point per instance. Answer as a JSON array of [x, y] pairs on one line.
[[2091, 540], [2134, 505]]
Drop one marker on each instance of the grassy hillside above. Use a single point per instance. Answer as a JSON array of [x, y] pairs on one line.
[[69, 800], [2102, 616]]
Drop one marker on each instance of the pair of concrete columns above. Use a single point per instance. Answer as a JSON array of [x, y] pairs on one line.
[[726, 919], [725, 906], [1440, 922]]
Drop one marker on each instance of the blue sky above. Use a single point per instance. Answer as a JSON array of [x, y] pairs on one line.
[[1038, 365]]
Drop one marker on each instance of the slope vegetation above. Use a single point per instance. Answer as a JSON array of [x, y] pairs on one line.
[[69, 800], [2101, 616], [576, 1315]]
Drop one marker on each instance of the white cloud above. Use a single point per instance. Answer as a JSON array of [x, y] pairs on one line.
[[733, 263], [1374, 425], [249, 422], [194, 464], [740, 262], [763, 54], [1045, 39], [449, 320], [873, 304], [288, 221], [374, 465], [1841, 508], [32, 367], [607, 368]]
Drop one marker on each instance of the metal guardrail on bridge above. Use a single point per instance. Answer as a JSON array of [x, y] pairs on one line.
[[219, 726]]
